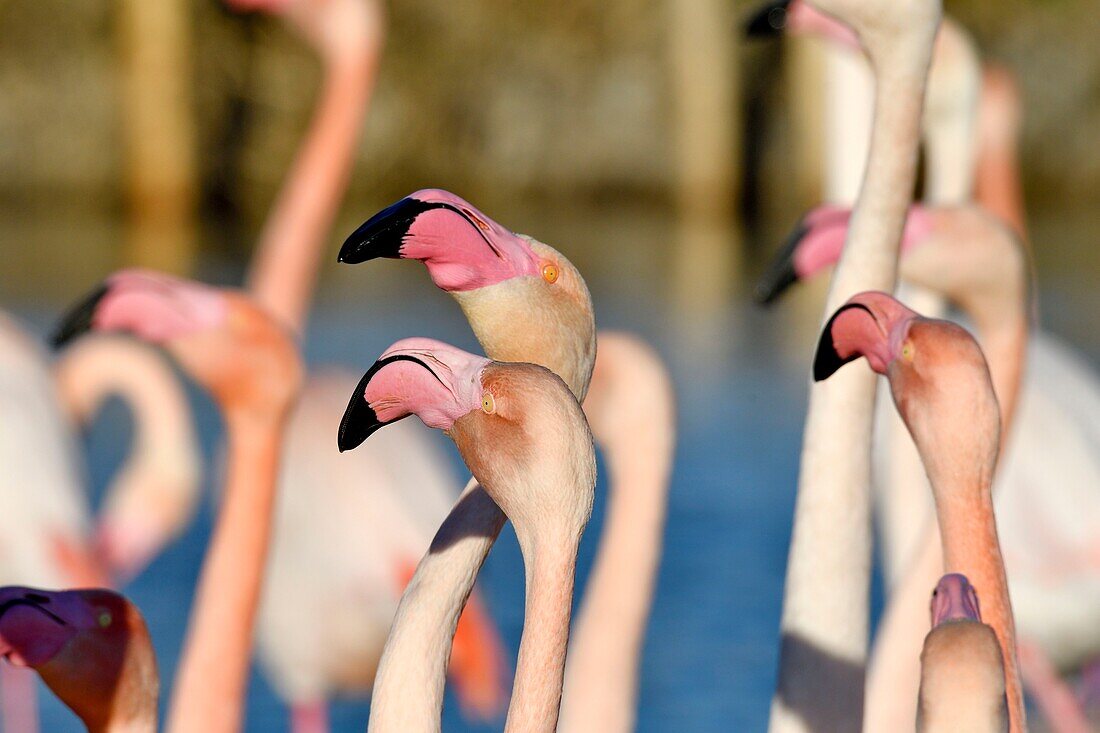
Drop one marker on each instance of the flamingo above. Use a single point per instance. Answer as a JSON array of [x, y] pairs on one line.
[[962, 683], [525, 301], [824, 624], [943, 391], [975, 260], [249, 364], [48, 531], [354, 577], [524, 437], [91, 648]]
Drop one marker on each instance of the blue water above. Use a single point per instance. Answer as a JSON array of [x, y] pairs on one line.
[[710, 657]]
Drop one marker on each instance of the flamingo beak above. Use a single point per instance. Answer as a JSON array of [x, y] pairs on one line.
[[769, 20], [781, 274], [416, 376], [830, 355], [383, 234], [79, 319], [360, 421], [30, 633], [955, 600]]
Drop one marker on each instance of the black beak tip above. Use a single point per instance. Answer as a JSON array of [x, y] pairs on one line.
[[78, 320], [360, 419], [383, 234], [780, 274], [827, 359], [769, 20]]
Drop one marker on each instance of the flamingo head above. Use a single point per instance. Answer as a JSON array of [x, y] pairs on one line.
[[817, 242], [91, 647], [221, 338], [938, 378], [954, 599], [525, 301], [962, 670], [516, 425], [799, 17]]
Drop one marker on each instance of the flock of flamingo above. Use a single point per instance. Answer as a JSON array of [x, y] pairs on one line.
[[365, 536]]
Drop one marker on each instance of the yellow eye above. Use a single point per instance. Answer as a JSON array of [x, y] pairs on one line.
[[550, 273], [488, 404], [907, 351], [104, 619]]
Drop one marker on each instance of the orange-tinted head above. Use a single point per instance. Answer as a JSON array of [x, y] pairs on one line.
[[91, 647], [525, 301], [222, 339]]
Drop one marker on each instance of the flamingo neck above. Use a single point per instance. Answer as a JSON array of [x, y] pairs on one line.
[[213, 671], [951, 109], [550, 563], [408, 687], [1004, 341], [826, 600], [100, 367], [968, 532], [284, 268], [602, 674]]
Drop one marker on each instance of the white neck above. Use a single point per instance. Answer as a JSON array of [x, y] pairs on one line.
[[408, 687], [602, 675], [825, 612]]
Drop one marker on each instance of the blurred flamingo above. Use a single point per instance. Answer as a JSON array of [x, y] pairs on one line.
[[354, 577], [943, 391], [825, 623], [91, 648], [525, 439], [46, 528], [526, 302], [250, 366], [972, 131], [962, 684]]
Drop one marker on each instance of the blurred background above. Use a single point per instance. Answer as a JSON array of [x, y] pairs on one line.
[[644, 139]]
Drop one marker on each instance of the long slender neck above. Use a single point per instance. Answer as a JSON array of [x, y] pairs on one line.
[[1004, 341], [551, 564], [284, 268], [954, 86], [964, 510], [146, 722], [825, 611], [601, 679], [213, 672], [408, 687], [105, 366]]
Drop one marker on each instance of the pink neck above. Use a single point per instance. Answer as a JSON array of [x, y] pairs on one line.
[[213, 671], [284, 267], [540, 669]]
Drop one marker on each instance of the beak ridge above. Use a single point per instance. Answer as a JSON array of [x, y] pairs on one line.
[[383, 234], [79, 319]]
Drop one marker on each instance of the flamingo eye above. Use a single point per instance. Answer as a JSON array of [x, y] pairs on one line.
[[488, 404], [550, 273], [907, 351], [104, 618]]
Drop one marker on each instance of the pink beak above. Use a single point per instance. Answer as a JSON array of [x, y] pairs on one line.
[[872, 325], [417, 376], [955, 600]]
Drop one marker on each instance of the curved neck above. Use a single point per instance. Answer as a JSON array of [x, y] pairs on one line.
[[213, 671], [284, 268], [601, 679], [408, 687], [825, 609], [100, 367]]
